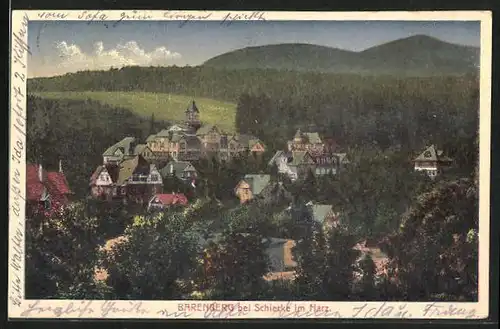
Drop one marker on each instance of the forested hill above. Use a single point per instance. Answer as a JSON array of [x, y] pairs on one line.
[[228, 85], [418, 55]]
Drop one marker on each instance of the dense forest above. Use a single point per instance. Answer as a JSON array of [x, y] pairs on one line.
[[380, 122], [228, 85]]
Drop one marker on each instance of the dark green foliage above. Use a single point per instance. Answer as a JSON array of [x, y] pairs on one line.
[[235, 266], [435, 250], [62, 254], [326, 264], [157, 259]]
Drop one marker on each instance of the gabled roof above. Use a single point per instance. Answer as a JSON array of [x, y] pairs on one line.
[[310, 137], [432, 154], [205, 129], [342, 157], [130, 166], [246, 140], [320, 211], [257, 182], [139, 148], [111, 169], [170, 199], [53, 183], [124, 144], [164, 133], [313, 138], [179, 127], [275, 157], [151, 138], [96, 174], [34, 187], [176, 137], [57, 183], [192, 108], [177, 166]]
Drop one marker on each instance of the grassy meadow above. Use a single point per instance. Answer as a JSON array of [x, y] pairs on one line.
[[167, 107]]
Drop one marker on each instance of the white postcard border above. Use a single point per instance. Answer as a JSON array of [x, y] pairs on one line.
[[119, 309]]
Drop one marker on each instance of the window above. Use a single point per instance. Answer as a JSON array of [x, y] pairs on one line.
[[154, 177]]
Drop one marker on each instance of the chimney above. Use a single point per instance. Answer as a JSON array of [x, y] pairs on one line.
[[40, 173], [60, 167]]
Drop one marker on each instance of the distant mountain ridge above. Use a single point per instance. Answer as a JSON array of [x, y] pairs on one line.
[[418, 55]]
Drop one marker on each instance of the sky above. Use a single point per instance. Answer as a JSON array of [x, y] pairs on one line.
[[66, 46]]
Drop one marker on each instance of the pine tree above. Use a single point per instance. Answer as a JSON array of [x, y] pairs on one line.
[[152, 124]]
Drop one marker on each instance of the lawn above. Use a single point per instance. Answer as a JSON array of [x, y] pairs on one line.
[[164, 106]]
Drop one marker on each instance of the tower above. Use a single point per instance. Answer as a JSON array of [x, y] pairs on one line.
[[193, 116]]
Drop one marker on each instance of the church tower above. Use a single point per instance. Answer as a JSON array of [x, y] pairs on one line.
[[193, 116]]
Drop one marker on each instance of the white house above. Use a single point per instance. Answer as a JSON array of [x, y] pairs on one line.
[[431, 161]]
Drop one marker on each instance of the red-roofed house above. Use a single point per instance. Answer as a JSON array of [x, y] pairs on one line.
[[160, 201], [46, 189]]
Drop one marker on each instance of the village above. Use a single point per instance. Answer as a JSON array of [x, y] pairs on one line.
[[134, 172]]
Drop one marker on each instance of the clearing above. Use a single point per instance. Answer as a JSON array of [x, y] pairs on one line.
[[168, 107]]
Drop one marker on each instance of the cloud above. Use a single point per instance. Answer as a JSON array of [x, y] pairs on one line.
[[71, 58]]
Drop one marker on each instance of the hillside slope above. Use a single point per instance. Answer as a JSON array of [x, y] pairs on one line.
[[164, 106], [417, 55]]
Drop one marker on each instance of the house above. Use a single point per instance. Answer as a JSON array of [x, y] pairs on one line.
[[102, 182], [280, 254], [432, 161], [138, 180], [183, 170], [133, 179], [162, 201], [144, 151], [46, 190], [306, 141], [243, 143], [251, 186], [174, 144], [210, 137], [299, 163], [283, 160], [189, 148], [161, 143], [324, 214], [118, 151]]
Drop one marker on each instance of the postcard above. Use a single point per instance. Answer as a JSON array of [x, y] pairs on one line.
[[249, 165]]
